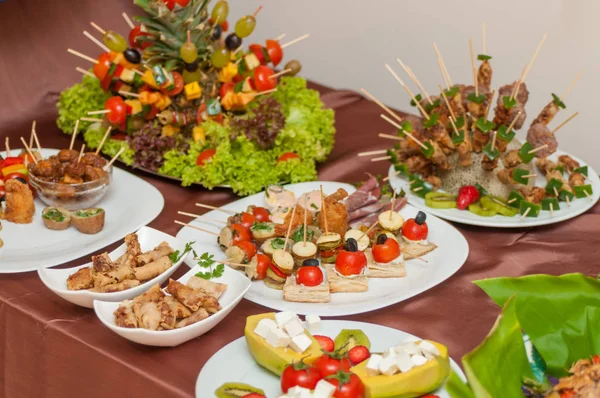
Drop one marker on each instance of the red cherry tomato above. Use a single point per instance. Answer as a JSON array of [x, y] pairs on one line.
[[350, 263], [226, 88], [248, 248], [205, 156], [240, 233], [247, 219], [287, 156], [330, 364], [413, 231], [348, 385], [262, 78], [134, 34], [178, 82], [170, 4], [224, 26], [386, 252], [261, 213], [277, 271], [430, 396], [257, 50], [201, 114], [152, 113], [254, 395], [310, 276], [103, 65], [299, 374], [117, 108], [263, 262], [275, 52], [596, 359]]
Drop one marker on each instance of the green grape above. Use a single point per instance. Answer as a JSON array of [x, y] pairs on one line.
[[245, 26], [115, 42], [188, 52], [220, 11], [194, 76], [220, 57]]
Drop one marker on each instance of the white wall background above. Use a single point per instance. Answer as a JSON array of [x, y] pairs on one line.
[[351, 40]]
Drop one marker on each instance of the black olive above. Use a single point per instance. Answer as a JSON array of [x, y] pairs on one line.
[[132, 56], [217, 31], [310, 262], [381, 239], [233, 41], [192, 67], [420, 218], [351, 245]]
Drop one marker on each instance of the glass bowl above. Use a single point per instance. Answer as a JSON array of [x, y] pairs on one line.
[[72, 196]]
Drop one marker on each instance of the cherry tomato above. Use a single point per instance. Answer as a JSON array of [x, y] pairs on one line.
[[201, 114], [27, 158], [262, 78], [329, 364], [430, 396], [567, 394], [257, 50], [413, 231], [240, 233], [152, 114], [247, 219], [178, 82], [350, 263], [248, 248], [117, 108], [262, 263], [224, 26], [261, 214], [299, 374], [348, 385], [133, 36], [275, 52], [205, 156], [170, 4], [310, 276], [287, 156], [386, 252], [328, 253], [103, 65], [596, 359], [277, 271], [226, 88]]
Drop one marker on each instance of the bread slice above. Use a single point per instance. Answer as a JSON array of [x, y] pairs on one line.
[[339, 284], [384, 271], [294, 292], [414, 250]]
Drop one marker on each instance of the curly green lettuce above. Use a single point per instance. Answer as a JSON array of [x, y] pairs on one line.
[[93, 136], [296, 170], [75, 102]]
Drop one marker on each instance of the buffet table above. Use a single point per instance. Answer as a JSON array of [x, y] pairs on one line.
[[51, 348]]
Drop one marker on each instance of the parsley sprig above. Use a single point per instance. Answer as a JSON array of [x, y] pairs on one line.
[[206, 261], [176, 255]]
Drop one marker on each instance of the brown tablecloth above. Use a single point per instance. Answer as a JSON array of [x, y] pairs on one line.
[[51, 348]]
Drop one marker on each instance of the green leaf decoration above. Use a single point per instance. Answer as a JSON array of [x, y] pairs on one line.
[[478, 99], [483, 57], [509, 102], [558, 102], [429, 107], [418, 97], [432, 121], [451, 92]]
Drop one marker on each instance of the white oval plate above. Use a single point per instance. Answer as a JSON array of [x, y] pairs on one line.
[[442, 263], [234, 363], [578, 206], [130, 203], [149, 238], [237, 286]]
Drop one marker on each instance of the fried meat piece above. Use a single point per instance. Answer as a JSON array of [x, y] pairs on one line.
[[484, 75], [80, 280], [569, 163], [19, 202], [297, 220], [178, 309], [103, 263], [196, 317], [164, 249], [124, 316], [538, 136], [192, 298], [547, 114], [336, 212], [511, 159], [214, 289], [117, 287], [503, 115], [533, 194], [545, 165], [576, 179]]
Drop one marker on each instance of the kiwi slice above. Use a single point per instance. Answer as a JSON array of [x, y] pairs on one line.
[[350, 338], [236, 390]]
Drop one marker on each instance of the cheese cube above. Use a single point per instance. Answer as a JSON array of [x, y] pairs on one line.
[[169, 130], [278, 338], [418, 360], [373, 364], [192, 90], [323, 389], [390, 352], [198, 134], [387, 366], [251, 61], [408, 347], [403, 362], [300, 343], [313, 323], [136, 106], [284, 317], [294, 327], [428, 348], [264, 326], [299, 392]]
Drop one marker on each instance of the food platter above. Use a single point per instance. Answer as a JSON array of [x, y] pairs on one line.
[[577, 207], [242, 368], [439, 265], [28, 247]]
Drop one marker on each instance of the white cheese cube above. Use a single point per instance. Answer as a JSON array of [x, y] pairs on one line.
[[418, 360], [264, 326], [404, 362], [278, 338], [409, 347], [313, 323], [390, 352], [373, 364], [294, 328], [323, 389], [429, 348], [300, 343], [299, 392], [387, 366], [284, 317]]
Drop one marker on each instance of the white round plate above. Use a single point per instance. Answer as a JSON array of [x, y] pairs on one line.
[[440, 264], [234, 363], [129, 203], [578, 206]]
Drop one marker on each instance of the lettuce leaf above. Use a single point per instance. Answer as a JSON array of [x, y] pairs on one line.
[[75, 102]]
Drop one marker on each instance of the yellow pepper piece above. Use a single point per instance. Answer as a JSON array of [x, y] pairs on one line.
[[192, 90], [199, 134], [148, 78], [136, 106], [227, 74], [237, 101], [163, 102], [169, 130]]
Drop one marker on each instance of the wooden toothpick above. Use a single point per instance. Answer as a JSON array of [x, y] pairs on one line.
[[413, 77], [287, 235], [114, 158], [85, 72], [379, 152], [393, 203], [538, 149], [196, 228], [568, 90], [75, 131], [565, 122], [323, 209], [443, 94], [381, 105], [128, 21], [289, 43], [231, 212], [28, 149], [381, 158], [410, 93], [409, 135], [276, 75], [103, 139], [96, 41], [98, 28], [443, 66], [473, 67], [83, 56], [526, 212]]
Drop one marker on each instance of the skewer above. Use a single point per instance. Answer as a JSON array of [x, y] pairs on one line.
[[31, 134], [324, 209], [517, 86], [393, 203], [551, 209], [230, 263], [75, 131], [538, 149], [379, 152], [417, 189], [494, 141], [289, 230], [80, 55], [276, 75], [114, 159], [512, 200], [473, 65], [197, 228], [81, 153], [413, 77], [137, 72], [381, 158], [530, 65], [266, 92], [305, 212], [443, 65], [28, 149], [555, 192], [128, 20], [565, 122], [453, 126], [278, 38], [129, 93], [289, 43], [381, 105], [90, 119], [443, 75], [257, 11], [202, 218], [395, 173], [103, 139], [446, 101], [530, 176], [368, 230], [37, 142], [568, 90], [6, 144], [85, 72], [96, 41], [526, 212], [216, 208], [393, 137], [588, 194], [101, 112], [489, 107], [568, 200], [405, 87], [98, 28]]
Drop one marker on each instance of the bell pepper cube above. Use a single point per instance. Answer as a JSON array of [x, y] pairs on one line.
[[169, 130], [550, 204], [583, 170], [428, 150], [135, 105], [553, 186], [459, 138], [485, 126], [213, 107], [560, 168], [420, 188], [15, 168], [529, 209], [492, 154], [524, 153], [393, 156], [402, 168], [509, 102], [198, 134], [432, 121], [192, 90], [583, 191], [564, 195], [148, 78], [519, 176], [505, 135], [515, 199]]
